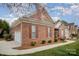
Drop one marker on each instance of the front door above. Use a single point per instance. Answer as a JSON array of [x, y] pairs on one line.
[[56, 35]]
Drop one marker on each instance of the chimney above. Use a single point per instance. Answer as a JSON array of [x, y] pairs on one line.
[[39, 9]]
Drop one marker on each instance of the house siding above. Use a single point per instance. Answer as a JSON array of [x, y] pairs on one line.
[[42, 21], [41, 34]]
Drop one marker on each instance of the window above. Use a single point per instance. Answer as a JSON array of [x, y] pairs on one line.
[[49, 33], [33, 31]]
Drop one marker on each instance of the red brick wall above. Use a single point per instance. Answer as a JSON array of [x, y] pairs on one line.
[[26, 33], [41, 33]]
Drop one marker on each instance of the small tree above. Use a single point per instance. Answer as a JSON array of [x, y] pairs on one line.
[[1, 27], [4, 28]]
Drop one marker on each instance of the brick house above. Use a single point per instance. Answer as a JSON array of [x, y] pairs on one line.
[[63, 29], [72, 29], [76, 29], [35, 28]]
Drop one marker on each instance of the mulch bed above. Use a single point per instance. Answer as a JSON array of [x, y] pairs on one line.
[[38, 45], [28, 47]]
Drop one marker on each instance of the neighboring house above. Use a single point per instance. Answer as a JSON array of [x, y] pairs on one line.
[[63, 29], [76, 29], [35, 28], [78, 32], [72, 29]]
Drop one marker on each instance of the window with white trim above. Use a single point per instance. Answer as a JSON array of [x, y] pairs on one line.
[[49, 33], [33, 31]]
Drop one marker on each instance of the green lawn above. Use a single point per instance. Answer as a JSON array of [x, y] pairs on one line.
[[66, 50]]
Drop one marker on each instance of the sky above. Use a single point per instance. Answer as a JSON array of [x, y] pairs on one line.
[[64, 11], [58, 11]]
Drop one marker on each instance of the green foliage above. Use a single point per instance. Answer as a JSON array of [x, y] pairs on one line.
[[55, 40], [0, 23], [65, 50], [4, 26], [43, 42], [33, 43]]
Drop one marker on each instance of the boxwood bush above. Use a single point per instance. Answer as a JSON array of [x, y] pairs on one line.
[[49, 41], [55, 40], [43, 42], [33, 43]]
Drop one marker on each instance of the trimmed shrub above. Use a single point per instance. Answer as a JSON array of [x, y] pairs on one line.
[[33, 43], [43, 42], [49, 41], [55, 40], [62, 39]]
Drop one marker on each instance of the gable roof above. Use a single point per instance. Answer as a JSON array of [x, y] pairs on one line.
[[59, 23], [70, 23], [62, 21], [43, 16], [37, 18]]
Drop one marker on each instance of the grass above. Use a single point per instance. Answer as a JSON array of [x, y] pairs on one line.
[[66, 50]]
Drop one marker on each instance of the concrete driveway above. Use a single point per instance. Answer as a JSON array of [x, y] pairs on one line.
[[6, 47]]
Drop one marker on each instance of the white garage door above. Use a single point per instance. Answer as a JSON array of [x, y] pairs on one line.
[[18, 37]]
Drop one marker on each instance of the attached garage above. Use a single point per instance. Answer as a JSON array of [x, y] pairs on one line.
[[18, 38]]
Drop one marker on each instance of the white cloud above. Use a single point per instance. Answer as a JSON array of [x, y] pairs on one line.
[[67, 11], [57, 8], [9, 20], [11, 15], [64, 10], [74, 6], [56, 18]]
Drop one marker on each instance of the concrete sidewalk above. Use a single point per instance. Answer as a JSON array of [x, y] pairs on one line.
[[6, 48]]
